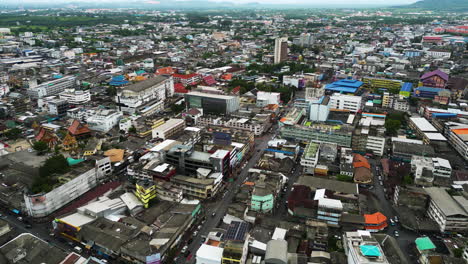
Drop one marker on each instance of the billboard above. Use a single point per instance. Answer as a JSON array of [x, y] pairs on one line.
[[153, 259]]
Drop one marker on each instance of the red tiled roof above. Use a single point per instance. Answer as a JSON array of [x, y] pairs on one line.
[[77, 128], [209, 80], [236, 90], [179, 88]]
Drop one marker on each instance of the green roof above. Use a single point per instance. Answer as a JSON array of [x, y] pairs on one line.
[[72, 161], [370, 251], [424, 243]]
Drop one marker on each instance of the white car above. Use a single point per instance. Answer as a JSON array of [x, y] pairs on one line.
[[184, 249], [396, 233]]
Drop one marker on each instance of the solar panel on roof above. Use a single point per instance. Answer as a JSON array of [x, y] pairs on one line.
[[236, 231]]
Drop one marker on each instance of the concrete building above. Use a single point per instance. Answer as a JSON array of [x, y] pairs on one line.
[[53, 87], [57, 107], [83, 178], [450, 212], [103, 120], [345, 102], [457, 135], [281, 50], [76, 97], [198, 188], [328, 210], [266, 98], [319, 132], [362, 248], [145, 96], [212, 103], [208, 254], [310, 157], [169, 128], [319, 109]]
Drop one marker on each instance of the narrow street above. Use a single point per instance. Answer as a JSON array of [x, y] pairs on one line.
[[220, 207], [406, 237]]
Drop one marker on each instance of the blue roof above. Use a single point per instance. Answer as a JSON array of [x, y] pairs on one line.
[[346, 86], [280, 151], [370, 251], [444, 115], [428, 89], [406, 87], [118, 78]]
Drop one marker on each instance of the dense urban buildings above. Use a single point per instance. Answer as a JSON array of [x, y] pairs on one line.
[[216, 132]]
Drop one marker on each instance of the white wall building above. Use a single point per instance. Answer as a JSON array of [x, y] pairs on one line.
[[376, 144], [144, 94], [169, 128], [103, 120], [319, 109], [51, 87], [450, 212], [43, 204], [207, 254], [345, 102], [266, 98], [76, 97], [310, 157]]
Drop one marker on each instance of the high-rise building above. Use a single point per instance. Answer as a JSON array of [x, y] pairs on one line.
[[306, 39], [281, 50]]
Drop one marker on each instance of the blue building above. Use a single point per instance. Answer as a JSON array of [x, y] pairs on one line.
[[344, 86], [427, 92]]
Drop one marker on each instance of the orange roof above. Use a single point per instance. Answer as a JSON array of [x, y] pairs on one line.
[[249, 183], [360, 161], [213, 243], [115, 155], [227, 76], [375, 218], [165, 70], [460, 131]]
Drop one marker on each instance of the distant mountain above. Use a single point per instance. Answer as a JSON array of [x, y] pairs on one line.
[[442, 5]]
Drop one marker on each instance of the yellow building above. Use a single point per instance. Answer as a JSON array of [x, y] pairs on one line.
[[145, 191], [382, 83], [145, 130]]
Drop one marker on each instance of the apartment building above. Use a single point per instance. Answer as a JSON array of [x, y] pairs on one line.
[[53, 87], [76, 97], [281, 50], [345, 102], [256, 125], [328, 210], [450, 212], [169, 128], [382, 83], [57, 107]]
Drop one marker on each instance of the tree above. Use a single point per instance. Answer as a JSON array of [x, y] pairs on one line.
[[392, 126], [344, 178], [407, 180], [13, 133], [111, 91], [55, 164], [132, 129], [40, 146], [458, 252]]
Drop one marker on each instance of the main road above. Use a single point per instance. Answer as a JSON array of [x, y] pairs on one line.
[[219, 208]]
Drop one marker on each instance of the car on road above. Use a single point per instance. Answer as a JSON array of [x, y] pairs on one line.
[[184, 249], [396, 233], [396, 219], [28, 226], [195, 233], [189, 257], [392, 222], [213, 214], [381, 183]]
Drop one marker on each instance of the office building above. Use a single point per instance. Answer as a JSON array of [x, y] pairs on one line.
[[372, 82], [212, 103], [319, 109], [457, 135], [266, 98], [281, 50], [319, 132]]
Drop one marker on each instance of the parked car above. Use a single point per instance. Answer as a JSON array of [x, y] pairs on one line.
[[213, 214], [392, 222], [396, 219], [396, 233]]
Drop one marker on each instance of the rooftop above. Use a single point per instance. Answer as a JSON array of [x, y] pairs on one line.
[[332, 185], [447, 204], [424, 243], [143, 85]]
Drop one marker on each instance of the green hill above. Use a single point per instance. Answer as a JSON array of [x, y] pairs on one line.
[[442, 5]]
